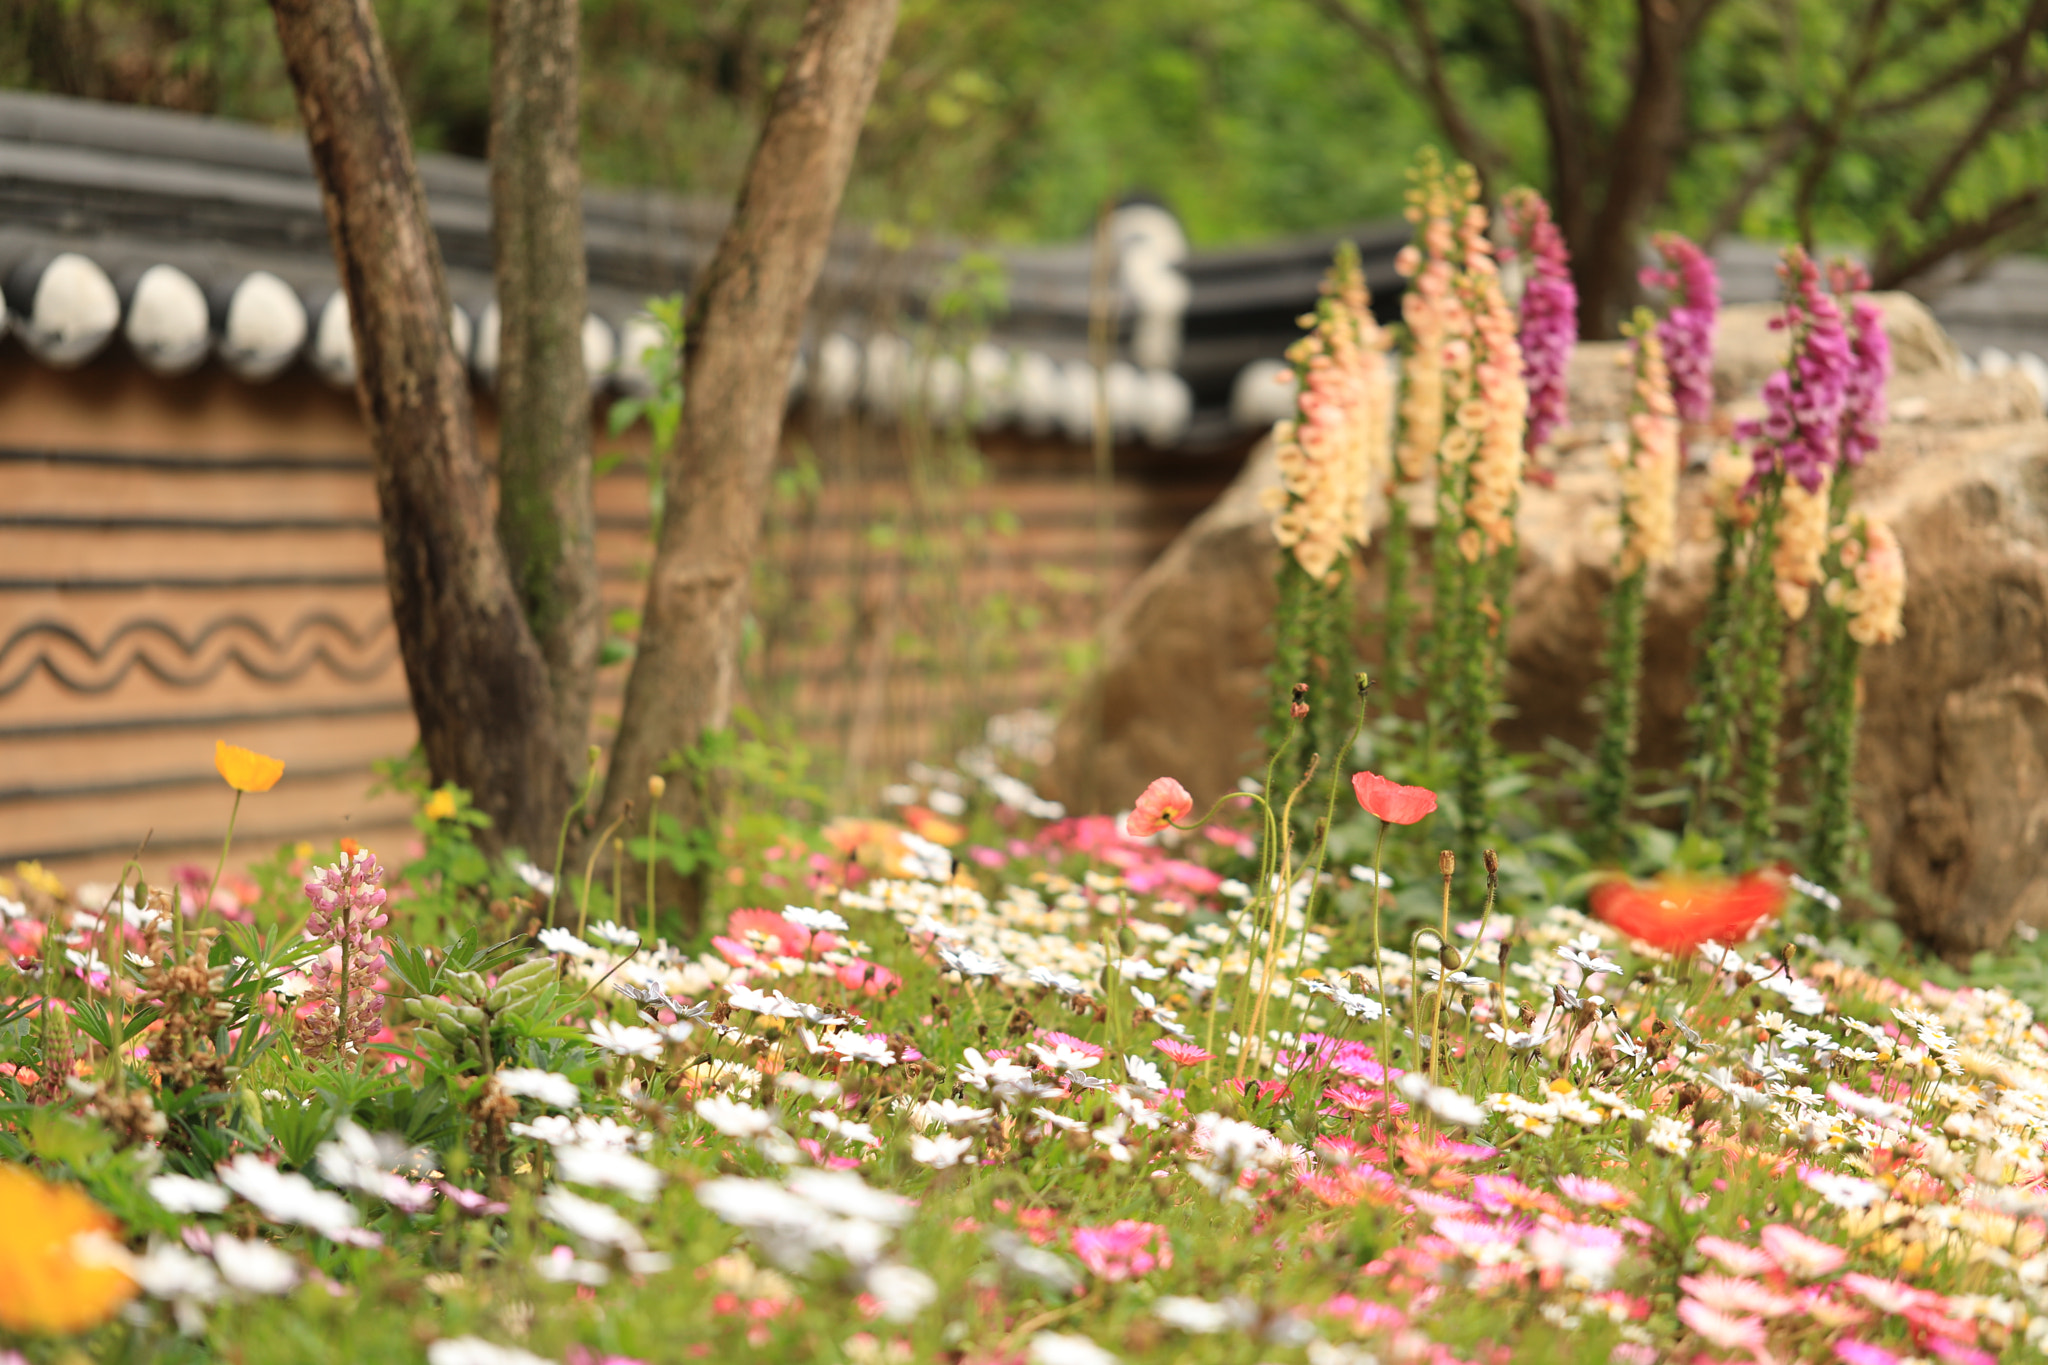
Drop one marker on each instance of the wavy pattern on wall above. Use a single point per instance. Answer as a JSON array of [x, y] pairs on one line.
[[313, 640]]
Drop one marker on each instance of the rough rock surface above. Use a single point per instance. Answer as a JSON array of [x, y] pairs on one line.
[[1954, 756]]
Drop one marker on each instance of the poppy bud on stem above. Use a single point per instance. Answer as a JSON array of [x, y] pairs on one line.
[[1447, 863]]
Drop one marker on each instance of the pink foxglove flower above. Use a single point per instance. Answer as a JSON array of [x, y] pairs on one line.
[[1550, 311], [1865, 410], [1687, 330], [348, 908]]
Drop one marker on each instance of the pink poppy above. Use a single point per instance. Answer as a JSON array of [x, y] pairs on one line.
[[1162, 803], [1390, 801], [869, 978]]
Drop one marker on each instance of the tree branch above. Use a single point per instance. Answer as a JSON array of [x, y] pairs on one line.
[[1422, 71], [745, 320], [1828, 139], [479, 685], [1943, 81], [1572, 155], [2008, 216], [1783, 143], [545, 519]]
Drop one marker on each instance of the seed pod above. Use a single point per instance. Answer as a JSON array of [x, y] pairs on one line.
[[470, 1015], [534, 973]]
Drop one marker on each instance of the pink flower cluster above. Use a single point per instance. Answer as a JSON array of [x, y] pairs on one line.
[[1124, 1250], [1803, 403], [1864, 408], [1550, 311], [1687, 330], [346, 1010]]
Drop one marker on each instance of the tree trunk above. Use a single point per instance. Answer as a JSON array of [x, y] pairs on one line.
[[1605, 263], [742, 340], [479, 684], [545, 521]]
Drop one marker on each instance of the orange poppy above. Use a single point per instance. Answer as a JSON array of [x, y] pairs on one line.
[[57, 1257], [1679, 911], [245, 769]]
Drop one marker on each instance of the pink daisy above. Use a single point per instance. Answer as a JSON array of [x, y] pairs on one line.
[[1183, 1054], [1797, 1254]]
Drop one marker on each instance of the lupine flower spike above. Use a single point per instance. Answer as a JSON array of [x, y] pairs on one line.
[[348, 909]]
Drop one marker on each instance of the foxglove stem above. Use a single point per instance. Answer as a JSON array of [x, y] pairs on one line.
[[1713, 712], [1761, 679]]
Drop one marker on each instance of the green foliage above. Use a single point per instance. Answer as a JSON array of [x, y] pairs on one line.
[[662, 406]]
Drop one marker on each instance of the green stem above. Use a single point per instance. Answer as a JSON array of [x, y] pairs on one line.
[[178, 911], [1608, 799], [1379, 963]]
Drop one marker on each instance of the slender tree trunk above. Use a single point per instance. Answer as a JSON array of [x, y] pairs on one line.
[[479, 684], [545, 521], [742, 340], [1604, 264]]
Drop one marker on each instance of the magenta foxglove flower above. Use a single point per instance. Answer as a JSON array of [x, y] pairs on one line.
[[1550, 311], [1801, 430], [1687, 331]]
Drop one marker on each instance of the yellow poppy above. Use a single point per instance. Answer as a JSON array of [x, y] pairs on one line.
[[440, 806], [245, 769], [53, 1278]]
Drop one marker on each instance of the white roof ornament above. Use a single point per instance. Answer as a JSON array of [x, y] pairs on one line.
[[168, 326], [991, 385], [1150, 247], [886, 378], [483, 356], [1169, 405], [945, 388], [600, 351], [1126, 399], [1262, 394], [333, 352], [264, 327], [638, 335], [838, 379], [1040, 392], [66, 310], [1077, 400], [461, 331]]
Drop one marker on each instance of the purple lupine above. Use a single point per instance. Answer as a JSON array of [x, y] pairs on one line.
[[1550, 312], [1801, 431], [1687, 330], [348, 909]]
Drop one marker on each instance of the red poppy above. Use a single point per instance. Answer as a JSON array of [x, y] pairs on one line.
[[1679, 911], [1392, 802]]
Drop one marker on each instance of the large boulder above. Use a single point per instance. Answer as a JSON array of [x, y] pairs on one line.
[[1954, 754]]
